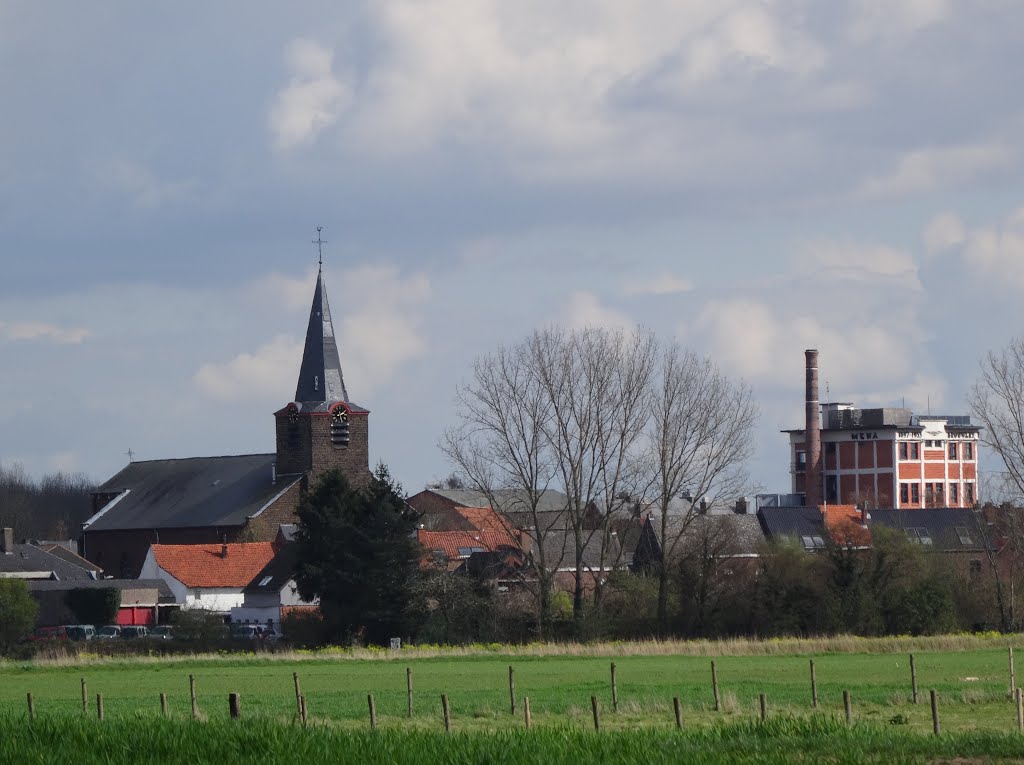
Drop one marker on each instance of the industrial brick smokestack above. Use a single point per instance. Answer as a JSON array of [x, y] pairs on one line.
[[812, 432]]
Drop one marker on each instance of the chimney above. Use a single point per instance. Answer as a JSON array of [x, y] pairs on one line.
[[7, 541], [224, 550], [273, 473], [812, 432]]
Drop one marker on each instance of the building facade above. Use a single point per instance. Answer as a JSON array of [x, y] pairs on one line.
[[885, 457]]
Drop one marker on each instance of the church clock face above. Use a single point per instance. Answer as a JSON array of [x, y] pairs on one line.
[[293, 414], [339, 414]]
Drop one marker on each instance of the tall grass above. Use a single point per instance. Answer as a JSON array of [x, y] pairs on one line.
[[817, 646], [83, 741]]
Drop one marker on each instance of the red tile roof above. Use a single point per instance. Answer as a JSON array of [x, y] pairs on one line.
[[204, 565], [845, 524], [485, 519], [455, 544]]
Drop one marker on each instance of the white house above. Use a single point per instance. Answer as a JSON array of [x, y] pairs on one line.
[[272, 593], [210, 577]]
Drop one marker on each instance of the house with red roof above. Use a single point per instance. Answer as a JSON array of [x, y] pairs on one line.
[[210, 577]]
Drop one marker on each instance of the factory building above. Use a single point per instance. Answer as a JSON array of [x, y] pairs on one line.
[[881, 458]]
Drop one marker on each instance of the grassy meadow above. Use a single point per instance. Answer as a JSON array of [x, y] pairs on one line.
[[971, 676]]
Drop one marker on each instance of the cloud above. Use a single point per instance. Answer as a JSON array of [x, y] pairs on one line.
[[895, 19], [944, 232], [935, 168], [871, 264], [585, 310], [269, 371], [37, 331], [313, 99], [998, 251], [666, 284], [143, 187]]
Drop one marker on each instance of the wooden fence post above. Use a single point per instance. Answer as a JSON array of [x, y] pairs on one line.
[[302, 710], [163, 704], [678, 710], [234, 706], [935, 713], [1013, 679], [99, 706], [447, 713], [615, 691], [373, 712], [848, 708], [814, 687], [763, 699], [85, 698], [1020, 709], [298, 694], [31, 707], [597, 714], [192, 696], [512, 687], [714, 684], [526, 712], [408, 690], [913, 679]]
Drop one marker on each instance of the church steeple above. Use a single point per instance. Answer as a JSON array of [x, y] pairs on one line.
[[320, 377]]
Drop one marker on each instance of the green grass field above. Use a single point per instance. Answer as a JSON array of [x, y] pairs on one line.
[[973, 688]]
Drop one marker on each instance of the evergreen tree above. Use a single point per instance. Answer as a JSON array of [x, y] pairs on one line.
[[356, 551], [17, 612]]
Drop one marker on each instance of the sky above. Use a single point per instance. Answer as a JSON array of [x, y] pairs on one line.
[[749, 177]]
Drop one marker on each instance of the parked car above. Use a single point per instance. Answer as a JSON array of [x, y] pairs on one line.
[[40, 634], [108, 632], [163, 632], [131, 631], [254, 632], [80, 631]]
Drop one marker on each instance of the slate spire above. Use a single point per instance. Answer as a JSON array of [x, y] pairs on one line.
[[320, 378]]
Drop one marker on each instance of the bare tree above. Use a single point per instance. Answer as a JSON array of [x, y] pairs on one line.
[[997, 400], [699, 437], [501, 449], [598, 383]]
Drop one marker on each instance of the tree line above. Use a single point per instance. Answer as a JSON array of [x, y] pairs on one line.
[[54, 507]]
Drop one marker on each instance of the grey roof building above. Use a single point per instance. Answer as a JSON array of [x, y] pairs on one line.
[[204, 500], [26, 561]]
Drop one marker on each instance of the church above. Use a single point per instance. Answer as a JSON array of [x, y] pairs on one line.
[[244, 498]]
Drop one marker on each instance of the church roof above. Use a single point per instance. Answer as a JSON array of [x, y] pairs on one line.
[[320, 377], [198, 492]]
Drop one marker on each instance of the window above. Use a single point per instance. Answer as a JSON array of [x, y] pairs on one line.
[[801, 460], [929, 444], [915, 451], [975, 568], [830, 447], [919, 535], [952, 450], [968, 451], [903, 450], [969, 494], [265, 581], [929, 494], [954, 494], [915, 493], [812, 541], [963, 535], [904, 493], [939, 494]]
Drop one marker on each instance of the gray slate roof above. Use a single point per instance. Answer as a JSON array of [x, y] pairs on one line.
[[320, 377], [30, 559], [190, 493], [737, 534], [949, 528], [791, 522], [280, 569], [508, 501]]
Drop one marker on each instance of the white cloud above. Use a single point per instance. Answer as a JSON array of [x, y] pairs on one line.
[[666, 284], [269, 371], [895, 19], [944, 232], [38, 331], [998, 251], [876, 265], [585, 310], [935, 168], [314, 98], [141, 185]]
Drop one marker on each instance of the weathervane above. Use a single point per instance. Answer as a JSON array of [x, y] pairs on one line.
[[131, 454], [320, 245]]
